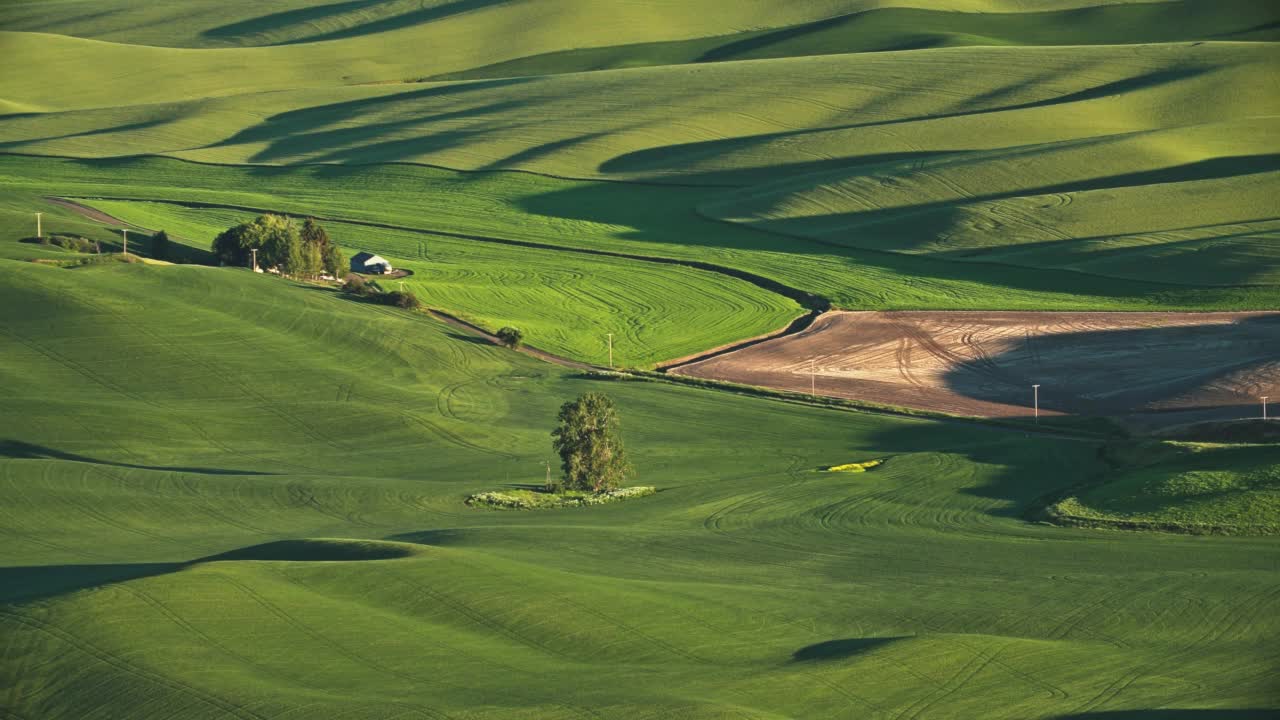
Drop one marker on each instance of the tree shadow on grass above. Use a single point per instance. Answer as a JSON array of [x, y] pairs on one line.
[[19, 450], [473, 339]]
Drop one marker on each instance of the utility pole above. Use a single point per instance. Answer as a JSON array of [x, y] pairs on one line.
[[1036, 388], [813, 381], [401, 286], [1264, 406], [125, 233], [39, 229], [548, 464], [610, 351], [255, 258]]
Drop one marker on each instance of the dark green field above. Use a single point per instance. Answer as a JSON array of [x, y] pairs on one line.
[[233, 495]]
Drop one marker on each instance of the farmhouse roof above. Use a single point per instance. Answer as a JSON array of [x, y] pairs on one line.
[[365, 257]]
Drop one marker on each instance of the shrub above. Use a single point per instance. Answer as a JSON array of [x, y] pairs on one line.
[[511, 337], [74, 243], [355, 285], [532, 499], [404, 300]]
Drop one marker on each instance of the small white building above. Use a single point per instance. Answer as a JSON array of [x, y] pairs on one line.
[[369, 263]]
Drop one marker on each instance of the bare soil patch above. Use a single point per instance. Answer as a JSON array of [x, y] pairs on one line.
[[1148, 368]]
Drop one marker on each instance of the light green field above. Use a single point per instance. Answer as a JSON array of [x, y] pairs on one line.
[[657, 221], [228, 495], [913, 28], [206, 23], [704, 124], [566, 303], [1199, 201], [899, 152], [172, 415]]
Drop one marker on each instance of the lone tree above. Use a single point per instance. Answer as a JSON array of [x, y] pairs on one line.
[[590, 444], [511, 337]]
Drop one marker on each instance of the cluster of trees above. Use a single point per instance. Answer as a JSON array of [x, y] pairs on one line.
[[589, 442], [281, 244]]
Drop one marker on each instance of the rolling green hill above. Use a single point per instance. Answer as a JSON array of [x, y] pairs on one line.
[[652, 221], [881, 29], [1198, 200], [733, 123], [204, 23], [1189, 487], [189, 420], [565, 303], [876, 152], [227, 495]]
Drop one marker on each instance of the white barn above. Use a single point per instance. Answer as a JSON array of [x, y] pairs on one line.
[[369, 263]]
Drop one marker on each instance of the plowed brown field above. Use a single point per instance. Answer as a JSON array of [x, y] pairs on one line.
[[1157, 368]]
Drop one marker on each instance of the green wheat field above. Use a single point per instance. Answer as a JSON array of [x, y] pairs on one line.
[[233, 495]]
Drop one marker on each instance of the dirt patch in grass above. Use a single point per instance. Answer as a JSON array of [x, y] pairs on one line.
[[1150, 368]]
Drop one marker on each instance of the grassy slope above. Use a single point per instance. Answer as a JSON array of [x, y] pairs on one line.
[[703, 124], [346, 43], [1192, 487], [1198, 200], [208, 23], [910, 28], [613, 217], [174, 414], [159, 418], [892, 151], [564, 303]]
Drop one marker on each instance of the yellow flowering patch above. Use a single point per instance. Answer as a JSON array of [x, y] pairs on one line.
[[856, 467]]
